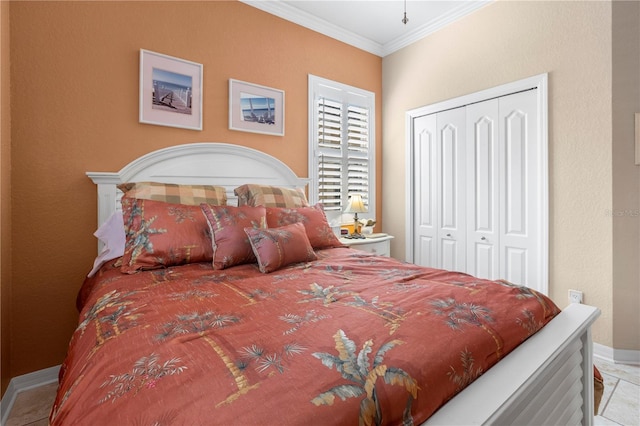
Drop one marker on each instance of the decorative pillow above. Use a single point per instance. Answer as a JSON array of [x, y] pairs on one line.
[[111, 234], [270, 196], [162, 234], [231, 245], [314, 220], [276, 248], [192, 195]]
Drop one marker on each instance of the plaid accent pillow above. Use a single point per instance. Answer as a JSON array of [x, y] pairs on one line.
[[270, 196], [192, 195]]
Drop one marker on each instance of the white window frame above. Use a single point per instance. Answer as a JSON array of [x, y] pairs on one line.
[[320, 87]]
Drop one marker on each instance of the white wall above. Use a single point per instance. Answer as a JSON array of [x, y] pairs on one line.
[[504, 42]]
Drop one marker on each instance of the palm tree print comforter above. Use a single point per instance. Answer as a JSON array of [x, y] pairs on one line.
[[351, 338]]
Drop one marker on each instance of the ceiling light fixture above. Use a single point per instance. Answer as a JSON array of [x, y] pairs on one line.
[[405, 19]]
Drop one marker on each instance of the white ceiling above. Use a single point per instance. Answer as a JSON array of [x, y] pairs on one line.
[[371, 25]]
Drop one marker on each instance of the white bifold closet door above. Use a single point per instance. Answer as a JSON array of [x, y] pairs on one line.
[[440, 166], [425, 190], [450, 151], [476, 189], [483, 191]]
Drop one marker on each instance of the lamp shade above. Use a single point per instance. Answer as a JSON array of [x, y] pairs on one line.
[[356, 204]]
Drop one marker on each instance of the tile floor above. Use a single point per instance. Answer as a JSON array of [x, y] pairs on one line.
[[32, 407], [620, 403]]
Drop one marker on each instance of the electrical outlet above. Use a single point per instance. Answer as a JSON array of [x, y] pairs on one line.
[[575, 296]]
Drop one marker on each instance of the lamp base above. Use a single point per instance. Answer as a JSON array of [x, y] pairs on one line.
[[356, 227]]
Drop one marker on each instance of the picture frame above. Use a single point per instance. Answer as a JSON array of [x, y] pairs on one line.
[[170, 91], [255, 108]]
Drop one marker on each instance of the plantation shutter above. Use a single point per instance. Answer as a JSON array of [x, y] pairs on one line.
[[330, 168], [340, 145], [358, 152]]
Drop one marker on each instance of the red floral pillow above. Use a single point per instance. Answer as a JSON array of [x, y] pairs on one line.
[[315, 223], [231, 245], [276, 248], [160, 234]]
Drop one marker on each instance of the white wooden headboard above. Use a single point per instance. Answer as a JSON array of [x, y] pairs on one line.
[[206, 163]]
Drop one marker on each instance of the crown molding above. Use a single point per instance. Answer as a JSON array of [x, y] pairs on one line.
[[432, 26], [314, 23], [322, 26]]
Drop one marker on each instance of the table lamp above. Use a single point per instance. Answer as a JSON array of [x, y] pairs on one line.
[[355, 205]]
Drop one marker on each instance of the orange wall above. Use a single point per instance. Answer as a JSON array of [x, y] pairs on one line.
[[74, 108]]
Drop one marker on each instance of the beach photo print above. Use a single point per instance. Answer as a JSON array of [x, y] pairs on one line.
[[255, 108], [170, 91]]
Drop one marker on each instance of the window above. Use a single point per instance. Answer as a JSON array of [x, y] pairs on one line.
[[341, 145]]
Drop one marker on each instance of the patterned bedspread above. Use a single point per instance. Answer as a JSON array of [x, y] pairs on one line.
[[350, 338]]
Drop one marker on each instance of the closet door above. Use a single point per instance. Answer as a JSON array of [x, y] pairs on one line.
[[483, 189], [425, 190], [439, 196], [450, 196], [522, 188], [479, 184]]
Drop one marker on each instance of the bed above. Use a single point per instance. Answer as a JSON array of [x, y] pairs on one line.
[[306, 331]]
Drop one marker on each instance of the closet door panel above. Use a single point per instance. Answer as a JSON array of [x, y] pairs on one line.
[[482, 189], [448, 251], [517, 265], [450, 181], [515, 181], [520, 241], [451, 178], [484, 261], [425, 189]]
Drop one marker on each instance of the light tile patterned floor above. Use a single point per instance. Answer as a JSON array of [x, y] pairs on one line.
[[620, 403], [32, 407]]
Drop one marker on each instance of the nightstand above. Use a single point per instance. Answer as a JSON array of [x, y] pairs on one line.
[[379, 245]]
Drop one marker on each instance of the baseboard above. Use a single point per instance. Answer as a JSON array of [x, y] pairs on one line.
[[25, 382], [617, 356]]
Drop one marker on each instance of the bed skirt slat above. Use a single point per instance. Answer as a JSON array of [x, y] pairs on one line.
[[562, 382]]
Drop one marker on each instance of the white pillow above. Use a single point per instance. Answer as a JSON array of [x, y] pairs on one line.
[[111, 233]]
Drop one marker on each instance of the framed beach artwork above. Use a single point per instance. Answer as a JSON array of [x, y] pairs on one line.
[[170, 91], [255, 108]]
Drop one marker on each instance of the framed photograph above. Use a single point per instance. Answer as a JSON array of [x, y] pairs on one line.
[[170, 91], [255, 108]]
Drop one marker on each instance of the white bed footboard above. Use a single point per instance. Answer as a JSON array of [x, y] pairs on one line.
[[548, 380]]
